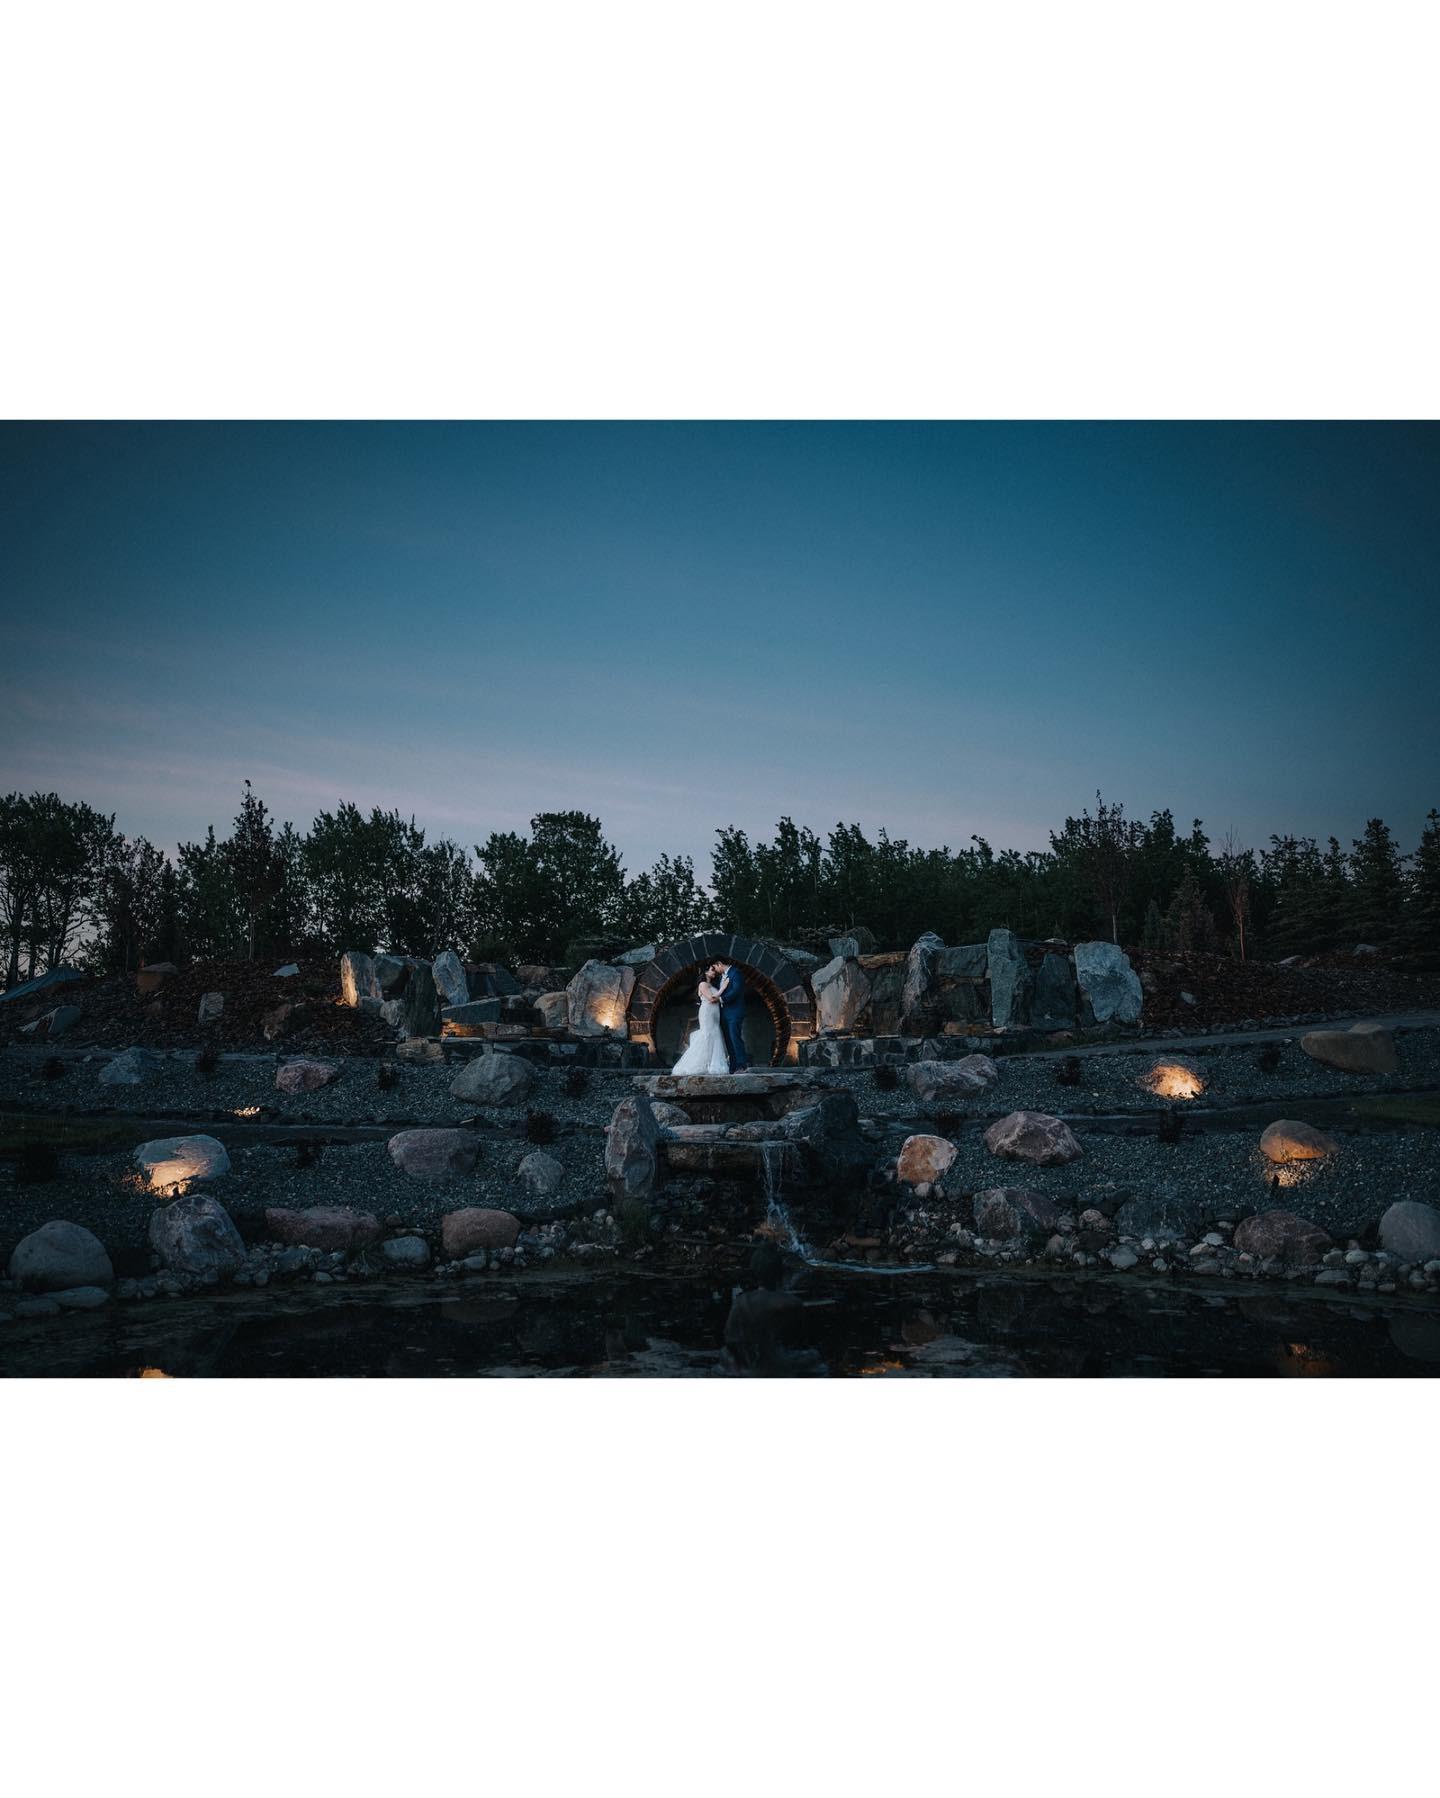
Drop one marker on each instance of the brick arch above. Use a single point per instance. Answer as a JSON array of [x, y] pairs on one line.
[[778, 982]]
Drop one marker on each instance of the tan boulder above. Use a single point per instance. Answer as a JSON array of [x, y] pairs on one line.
[[1287, 1139], [924, 1159], [1362, 1049], [304, 1075], [477, 1227], [434, 1154]]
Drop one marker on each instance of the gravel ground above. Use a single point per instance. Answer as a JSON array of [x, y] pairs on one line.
[[422, 1094], [1223, 1175]]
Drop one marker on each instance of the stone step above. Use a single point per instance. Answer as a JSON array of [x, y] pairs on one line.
[[755, 1083]]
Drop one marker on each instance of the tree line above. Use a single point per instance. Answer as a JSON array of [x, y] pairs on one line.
[[73, 887]]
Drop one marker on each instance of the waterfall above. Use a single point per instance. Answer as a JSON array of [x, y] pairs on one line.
[[777, 1212]]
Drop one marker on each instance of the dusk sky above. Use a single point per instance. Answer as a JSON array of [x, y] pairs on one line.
[[942, 629]]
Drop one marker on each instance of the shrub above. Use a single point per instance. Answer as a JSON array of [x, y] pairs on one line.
[[886, 1078], [541, 1126], [1268, 1059], [1172, 1126], [634, 1217], [1068, 1072], [947, 1123], [386, 1076], [307, 1154], [576, 1081], [54, 1068], [207, 1060]]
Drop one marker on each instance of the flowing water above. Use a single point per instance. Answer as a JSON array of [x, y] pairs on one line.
[[836, 1322]]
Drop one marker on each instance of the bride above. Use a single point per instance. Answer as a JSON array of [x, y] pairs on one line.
[[705, 1052]]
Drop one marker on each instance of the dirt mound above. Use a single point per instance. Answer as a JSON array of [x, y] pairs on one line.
[[1228, 992], [113, 1013]]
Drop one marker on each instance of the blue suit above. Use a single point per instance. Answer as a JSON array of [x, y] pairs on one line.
[[732, 1017]]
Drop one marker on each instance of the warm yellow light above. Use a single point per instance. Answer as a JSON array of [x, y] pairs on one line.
[[246, 1111], [155, 1373], [1173, 1080], [1285, 1173], [172, 1178]]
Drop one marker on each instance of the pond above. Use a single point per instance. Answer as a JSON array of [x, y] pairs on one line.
[[831, 1322]]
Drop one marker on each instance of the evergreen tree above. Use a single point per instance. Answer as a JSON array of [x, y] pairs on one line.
[[1377, 884]]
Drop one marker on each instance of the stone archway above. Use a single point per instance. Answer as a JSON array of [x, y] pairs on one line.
[[777, 981]]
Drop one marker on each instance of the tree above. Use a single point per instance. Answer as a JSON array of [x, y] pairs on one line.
[[53, 857], [533, 897], [1377, 883], [1189, 922], [1422, 909], [256, 866], [136, 893], [1104, 851], [1237, 875], [666, 903]]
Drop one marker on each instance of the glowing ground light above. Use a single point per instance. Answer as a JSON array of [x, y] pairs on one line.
[[246, 1111], [155, 1373], [1173, 1080]]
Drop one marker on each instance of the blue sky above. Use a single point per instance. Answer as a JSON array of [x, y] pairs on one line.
[[943, 629]]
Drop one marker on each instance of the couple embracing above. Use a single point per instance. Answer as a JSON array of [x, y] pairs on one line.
[[717, 1045]]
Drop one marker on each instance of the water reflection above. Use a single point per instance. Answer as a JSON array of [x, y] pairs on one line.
[[774, 1322]]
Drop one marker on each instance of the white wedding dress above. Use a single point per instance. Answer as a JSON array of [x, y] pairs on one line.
[[705, 1052]]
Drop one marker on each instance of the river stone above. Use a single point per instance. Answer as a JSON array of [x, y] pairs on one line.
[[178, 1160], [357, 977], [1411, 1230], [842, 991], [434, 1154], [632, 1151], [448, 972], [477, 1227], [60, 1255], [410, 1254], [924, 1159], [1362, 1049], [132, 1067], [1009, 977], [1011, 1213], [1033, 1136], [1052, 1002], [1282, 1234], [598, 999], [1287, 1139], [82, 1298], [932, 1081], [304, 1075], [211, 1006], [541, 1175], [1110, 990], [1169, 1213], [196, 1236], [494, 1078], [325, 1227]]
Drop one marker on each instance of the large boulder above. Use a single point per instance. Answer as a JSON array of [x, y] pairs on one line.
[[1411, 1230], [494, 1078], [1009, 976], [55, 1023], [554, 1009], [212, 1005], [924, 1159], [632, 1148], [598, 999], [858, 940], [131, 1067], [472, 1013], [1167, 1215], [636, 958], [434, 1154], [1035, 1137], [1052, 1001], [448, 972], [181, 1160], [1283, 1236], [1288, 1139], [327, 1227], [475, 1228], [406, 1254], [919, 973], [304, 1075], [60, 1255], [358, 979], [1110, 990], [842, 991], [1011, 1214], [391, 973], [1362, 1049], [941, 1082], [420, 1002], [541, 1175], [196, 1236]]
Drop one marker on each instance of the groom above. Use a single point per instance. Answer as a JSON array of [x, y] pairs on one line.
[[730, 983]]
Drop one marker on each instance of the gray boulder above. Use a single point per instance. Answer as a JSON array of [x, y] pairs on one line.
[[471, 1013], [636, 958], [131, 1067], [632, 1149], [407, 1254], [60, 1255], [421, 1002], [856, 941], [1009, 976], [919, 972], [541, 1175], [82, 1298], [210, 1008], [598, 999], [1165, 1215], [391, 972], [196, 1236], [554, 1009], [434, 1154], [1011, 1214], [357, 977], [842, 991], [180, 1160], [1283, 1235], [494, 1078], [1110, 990], [55, 1023], [448, 972], [1033, 1136], [938, 1082], [1411, 1230]]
